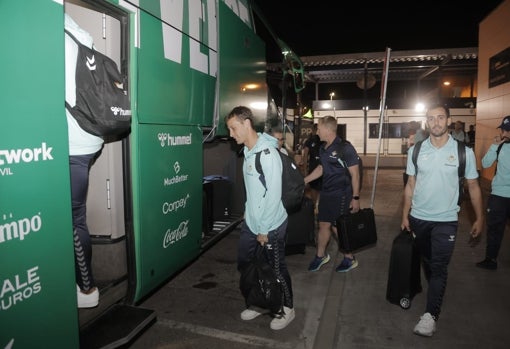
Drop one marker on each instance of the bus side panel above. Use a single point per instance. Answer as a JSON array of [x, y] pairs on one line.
[[170, 202], [242, 69], [37, 288], [177, 76]]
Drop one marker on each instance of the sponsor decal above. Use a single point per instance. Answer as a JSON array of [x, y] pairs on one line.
[[202, 30], [18, 229], [170, 207], [19, 288], [177, 178], [27, 155], [167, 140], [172, 236]]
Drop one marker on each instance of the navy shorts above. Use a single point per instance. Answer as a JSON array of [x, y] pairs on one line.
[[332, 205]]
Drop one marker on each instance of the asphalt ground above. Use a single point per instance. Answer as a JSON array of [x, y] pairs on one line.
[[200, 307]]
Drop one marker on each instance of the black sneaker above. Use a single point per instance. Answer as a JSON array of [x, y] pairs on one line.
[[488, 263]]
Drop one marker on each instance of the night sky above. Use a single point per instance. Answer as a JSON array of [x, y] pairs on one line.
[[337, 27], [325, 27]]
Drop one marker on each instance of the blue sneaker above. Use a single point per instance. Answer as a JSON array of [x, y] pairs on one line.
[[347, 264], [318, 262]]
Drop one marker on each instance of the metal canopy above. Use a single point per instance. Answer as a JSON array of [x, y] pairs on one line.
[[404, 65]]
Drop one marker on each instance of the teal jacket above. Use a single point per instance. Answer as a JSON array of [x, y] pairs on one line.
[[501, 181], [264, 210]]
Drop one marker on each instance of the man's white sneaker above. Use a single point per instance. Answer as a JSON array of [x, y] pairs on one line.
[[85, 300], [282, 320], [252, 313], [426, 326]]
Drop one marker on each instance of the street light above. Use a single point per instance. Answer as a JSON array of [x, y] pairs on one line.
[[331, 95]]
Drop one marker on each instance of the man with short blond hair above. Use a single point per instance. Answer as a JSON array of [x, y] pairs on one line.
[[339, 169]]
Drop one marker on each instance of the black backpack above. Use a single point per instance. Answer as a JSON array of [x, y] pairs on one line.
[[102, 102], [461, 150], [293, 182]]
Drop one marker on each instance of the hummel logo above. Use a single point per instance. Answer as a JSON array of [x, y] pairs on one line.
[[91, 63], [452, 238]]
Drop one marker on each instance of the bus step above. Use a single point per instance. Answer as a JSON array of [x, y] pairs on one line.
[[116, 327]]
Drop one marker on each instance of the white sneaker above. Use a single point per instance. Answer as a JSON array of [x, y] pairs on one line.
[[90, 300], [426, 326], [282, 320], [252, 313]]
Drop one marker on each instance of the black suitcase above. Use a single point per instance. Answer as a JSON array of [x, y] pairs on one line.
[[207, 207], [404, 274], [357, 230], [221, 189], [300, 227]]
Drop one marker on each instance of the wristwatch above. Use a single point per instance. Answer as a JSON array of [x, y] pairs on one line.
[[355, 197]]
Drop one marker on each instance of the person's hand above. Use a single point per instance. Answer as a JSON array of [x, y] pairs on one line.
[[355, 206], [262, 239], [476, 229], [404, 225]]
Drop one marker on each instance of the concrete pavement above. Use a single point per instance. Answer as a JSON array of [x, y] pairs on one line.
[[200, 307]]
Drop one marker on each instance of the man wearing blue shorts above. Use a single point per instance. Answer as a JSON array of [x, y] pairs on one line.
[[339, 169]]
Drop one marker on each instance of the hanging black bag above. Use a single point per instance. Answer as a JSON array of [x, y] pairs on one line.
[[357, 230], [102, 103], [259, 284]]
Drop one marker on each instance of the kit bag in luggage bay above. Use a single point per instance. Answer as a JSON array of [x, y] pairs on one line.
[[219, 191], [357, 230], [404, 277], [300, 227]]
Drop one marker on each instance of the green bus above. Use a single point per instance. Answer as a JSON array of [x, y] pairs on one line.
[[188, 64]]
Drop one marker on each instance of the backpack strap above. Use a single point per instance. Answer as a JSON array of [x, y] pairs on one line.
[[414, 157], [78, 43], [461, 149], [461, 153], [497, 155], [258, 167], [72, 36], [499, 149]]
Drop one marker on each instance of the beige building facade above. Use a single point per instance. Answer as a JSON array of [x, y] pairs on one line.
[[493, 100]]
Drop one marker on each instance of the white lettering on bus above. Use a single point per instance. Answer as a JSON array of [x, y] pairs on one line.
[[172, 236], [202, 30], [15, 156], [239, 9], [19, 288], [20, 228], [166, 139], [169, 207], [202, 23], [175, 179]]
